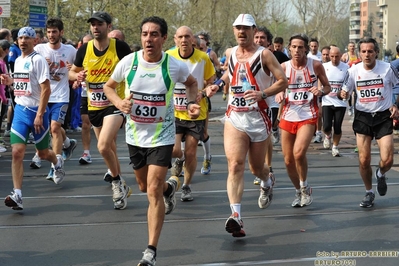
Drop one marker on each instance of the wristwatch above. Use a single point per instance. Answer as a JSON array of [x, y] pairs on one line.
[[264, 95]]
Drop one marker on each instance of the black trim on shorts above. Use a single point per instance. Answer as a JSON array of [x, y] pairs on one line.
[[96, 117]]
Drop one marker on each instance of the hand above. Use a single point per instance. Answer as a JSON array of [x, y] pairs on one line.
[[315, 91], [224, 97], [394, 111], [82, 76], [279, 97], [193, 110], [343, 94], [126, 104], [38, 124], [211, 90]]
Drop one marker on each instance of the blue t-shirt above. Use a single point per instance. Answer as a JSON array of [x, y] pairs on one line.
[[13, 53]]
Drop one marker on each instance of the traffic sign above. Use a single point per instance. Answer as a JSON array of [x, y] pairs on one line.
[[40, 17], [5, 11], [38, 9], [38, 2], [5, 2], [37, 24], [37, 13]]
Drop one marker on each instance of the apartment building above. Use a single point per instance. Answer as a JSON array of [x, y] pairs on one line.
[[362, 13], [388, 23]]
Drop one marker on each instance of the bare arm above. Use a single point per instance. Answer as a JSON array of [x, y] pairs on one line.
[[77, 73], [125, 105], [44, 97], [321, 74], [193, 108]]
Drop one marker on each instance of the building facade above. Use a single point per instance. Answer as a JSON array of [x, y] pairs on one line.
[[388, 24]]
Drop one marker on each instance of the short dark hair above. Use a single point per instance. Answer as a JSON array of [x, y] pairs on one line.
[[326, 47], [14, 34], [55, 23], [313, 40], [267, 32], [157, 20], [279, 40], [39, 33], [207, 37], [302, 37], [4, 34], [369, 40]]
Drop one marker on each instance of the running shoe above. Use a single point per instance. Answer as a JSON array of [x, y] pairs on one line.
[[306, 196], [36, 162], [297, 200], [31, 139], [381, 184], [85, 159], [368, 200], [2, 148], [7, 133], [120, 193], [265, 197], [335, 152], [50, 175], [186, 193], [177, 167], [235, 226], [148, 258], [318, 138], [275, 136], [108, 176], [14, 201], [67, 152], [206, 166], [327, 142], [350, 111], [257, 181], [170, 201], [59, 172]]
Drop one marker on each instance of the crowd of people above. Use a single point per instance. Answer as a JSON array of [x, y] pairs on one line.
[[274, 93]]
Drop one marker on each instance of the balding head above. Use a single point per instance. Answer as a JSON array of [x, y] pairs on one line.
[[184, 39], [335, 55], [117, 34]]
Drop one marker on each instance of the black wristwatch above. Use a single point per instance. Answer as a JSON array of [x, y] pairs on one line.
[[264, 95]]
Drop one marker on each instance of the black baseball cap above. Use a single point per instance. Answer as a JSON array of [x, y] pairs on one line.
[[101, 16]]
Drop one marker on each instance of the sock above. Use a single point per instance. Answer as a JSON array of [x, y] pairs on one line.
[[58, 164], [153, 249], [18, 192], [270, 169], [297, 191], [370, 190], [335, 147], [303, 183], [379, 174], [266, 184], [117, 177], [318, 132], [236, 207], [67, 142], [207, 148], [182, 158], [87, 152], [183, 146], [328, 136]]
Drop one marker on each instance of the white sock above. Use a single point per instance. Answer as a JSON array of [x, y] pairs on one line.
[[18, 192], [206, 146], [58, 164], [183, 145], [266, 184], [236, 207], [67, 142], [379, 174], [303, 183], [370, 190], [87, 152]]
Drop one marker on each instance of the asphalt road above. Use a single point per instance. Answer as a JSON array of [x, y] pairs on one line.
[[74, 223]]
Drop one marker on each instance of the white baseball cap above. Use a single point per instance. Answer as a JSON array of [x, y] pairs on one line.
[[245, 20]]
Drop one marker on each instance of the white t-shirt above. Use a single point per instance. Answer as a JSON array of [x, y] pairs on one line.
[[315, 56], [59, 58], [373, 87], [29, 72], [151, 122], [335, 76]]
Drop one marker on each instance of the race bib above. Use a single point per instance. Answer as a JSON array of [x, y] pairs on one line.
[[97, 95], [22, 84], [148, 108]]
